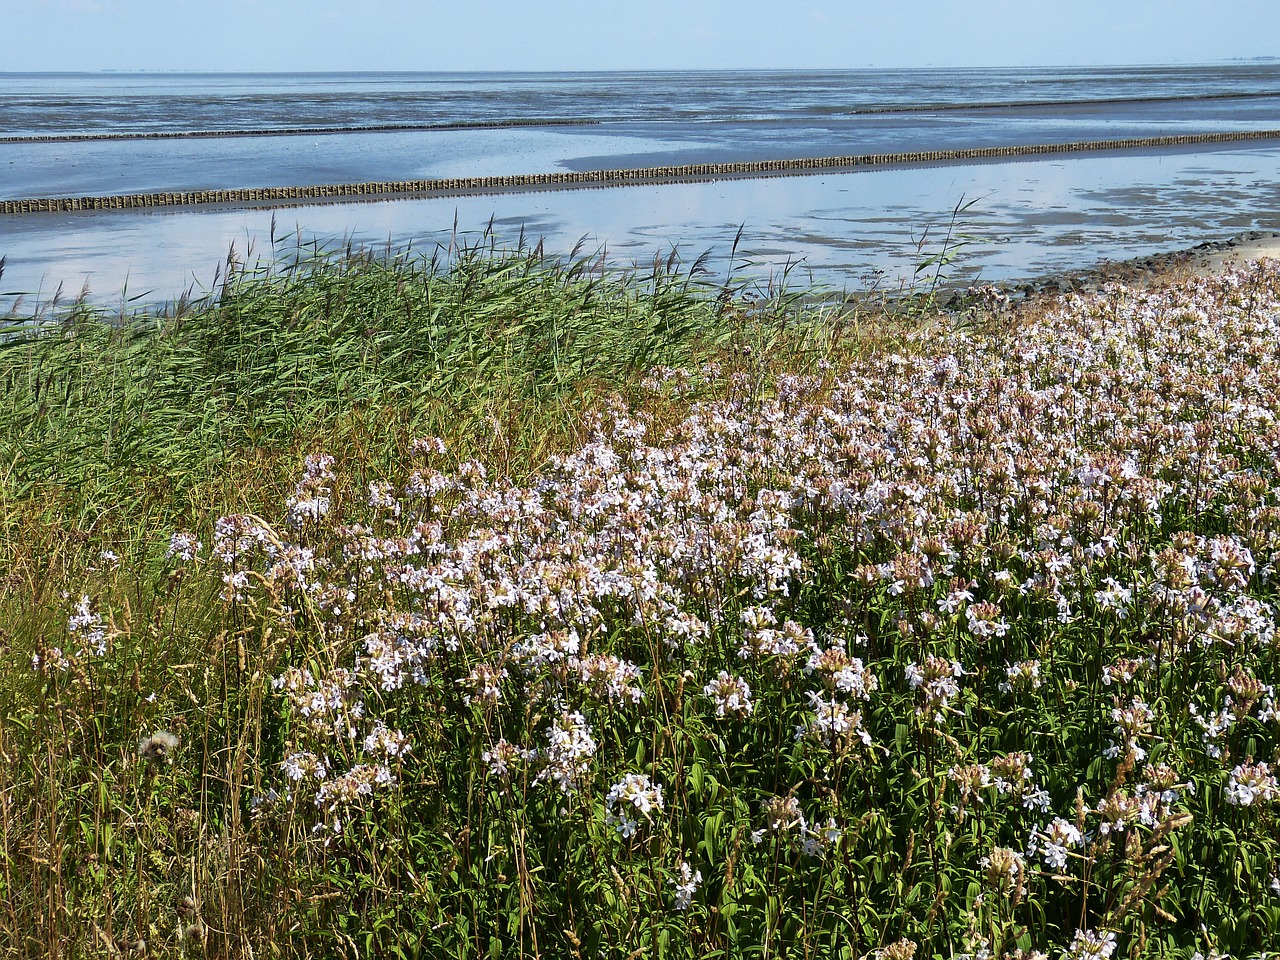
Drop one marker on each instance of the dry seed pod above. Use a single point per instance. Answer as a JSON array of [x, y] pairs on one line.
[[159, 746]]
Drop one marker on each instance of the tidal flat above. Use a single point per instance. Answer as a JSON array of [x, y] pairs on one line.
[[849, 231]]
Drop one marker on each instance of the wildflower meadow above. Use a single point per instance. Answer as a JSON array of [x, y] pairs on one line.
[[959, 643]]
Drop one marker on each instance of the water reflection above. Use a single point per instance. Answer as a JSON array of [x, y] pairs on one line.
[[156, 166], [1031, 217]]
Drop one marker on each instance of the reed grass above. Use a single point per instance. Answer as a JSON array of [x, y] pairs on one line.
[[119, 413]]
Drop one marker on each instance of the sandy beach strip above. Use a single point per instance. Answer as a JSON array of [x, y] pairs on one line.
[[1212, 258], [1202, 260]]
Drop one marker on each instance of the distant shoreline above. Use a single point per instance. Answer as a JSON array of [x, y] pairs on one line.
[[318, 131], [323, 131]]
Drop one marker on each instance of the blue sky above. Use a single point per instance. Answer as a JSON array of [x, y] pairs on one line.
[[240, 35]]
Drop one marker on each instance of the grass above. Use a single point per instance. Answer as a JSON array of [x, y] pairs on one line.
[[540, 611], [147, 413]]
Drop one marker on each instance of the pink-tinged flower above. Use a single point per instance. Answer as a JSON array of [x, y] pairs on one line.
[[731, 695], [1251, 783], [634, 793]]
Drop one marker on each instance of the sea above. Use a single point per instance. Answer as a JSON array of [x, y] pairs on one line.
[[82, 134]]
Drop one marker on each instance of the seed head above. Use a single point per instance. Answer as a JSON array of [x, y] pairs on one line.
[[904, 949], [159, 746]]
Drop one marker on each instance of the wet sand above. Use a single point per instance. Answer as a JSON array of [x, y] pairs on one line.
[[1211, 258]]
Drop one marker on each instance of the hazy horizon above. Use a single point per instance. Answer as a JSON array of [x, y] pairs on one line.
[[742, 69], [291, 36]]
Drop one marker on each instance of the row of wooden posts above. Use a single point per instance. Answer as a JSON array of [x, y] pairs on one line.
[[456, 186]]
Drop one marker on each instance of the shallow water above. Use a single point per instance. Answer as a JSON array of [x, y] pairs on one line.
[[846, 231], [156, 166], [113, 103]]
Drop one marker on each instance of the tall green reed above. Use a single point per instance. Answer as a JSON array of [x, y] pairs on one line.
[[147, 410]]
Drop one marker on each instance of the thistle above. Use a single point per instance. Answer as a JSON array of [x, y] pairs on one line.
[[159, 747]]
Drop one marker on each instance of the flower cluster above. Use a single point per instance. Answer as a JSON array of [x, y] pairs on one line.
[[1021, 537], [634, 793], [1088, 945], [1252, 783], [936, 679], [1052, 843], [687, 886], [731, 695]]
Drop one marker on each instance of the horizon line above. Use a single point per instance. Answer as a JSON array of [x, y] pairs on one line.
[[1230, 61]]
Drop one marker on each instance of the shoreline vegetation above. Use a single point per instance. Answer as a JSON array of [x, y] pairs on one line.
[[512, 607]]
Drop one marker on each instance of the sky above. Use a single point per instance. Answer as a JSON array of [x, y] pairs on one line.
[[289, 35]]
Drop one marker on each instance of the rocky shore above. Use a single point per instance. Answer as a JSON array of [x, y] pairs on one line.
[[1202, 259]]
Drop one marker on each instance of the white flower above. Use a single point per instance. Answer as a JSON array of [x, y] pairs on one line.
[[610, 678], [308, 509], [832, 722], [500, 758], [812, 846], [936, 679], [687, 887], [1053, 842], [1214, 727], [1088, 945], [1249, 783], [1004, 868], [298, 766], [567, 756], [88, 627], [633, 790], [385, 742], [1023, 674], [817, 841], [730, 694], [1116, 597], [183, 546]]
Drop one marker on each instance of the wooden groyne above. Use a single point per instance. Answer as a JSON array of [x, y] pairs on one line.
[[694, 172]]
